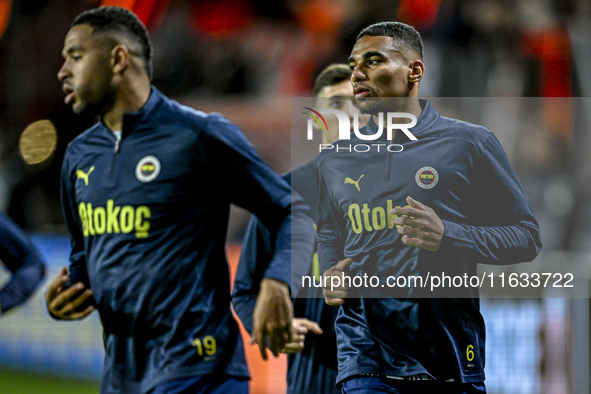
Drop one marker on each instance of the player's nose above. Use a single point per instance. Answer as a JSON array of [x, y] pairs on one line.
[[357, 75], [64, 72]]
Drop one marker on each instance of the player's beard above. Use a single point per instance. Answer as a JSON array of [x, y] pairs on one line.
[[375, 105], [92, 106]]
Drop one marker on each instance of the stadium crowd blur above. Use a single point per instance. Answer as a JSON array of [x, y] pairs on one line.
[[246, 58]]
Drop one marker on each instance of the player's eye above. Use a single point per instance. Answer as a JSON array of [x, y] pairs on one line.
[[336, 104]]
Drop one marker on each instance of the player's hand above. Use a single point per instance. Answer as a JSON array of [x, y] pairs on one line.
[[336, 295], [299, 328], [62, 302], [426, 228], [272, 317]]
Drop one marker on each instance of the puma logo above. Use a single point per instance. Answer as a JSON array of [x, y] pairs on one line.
[[84, 176], [352, 182]]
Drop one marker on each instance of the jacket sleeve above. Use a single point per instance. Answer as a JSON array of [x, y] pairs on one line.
[[331, 230], [22, 258], [512, 234], [249, 183], [256, 255], [257, 252], [77, 270]]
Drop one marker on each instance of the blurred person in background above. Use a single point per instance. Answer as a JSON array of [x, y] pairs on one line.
[[22, 258], [312, 365], [146, 195]]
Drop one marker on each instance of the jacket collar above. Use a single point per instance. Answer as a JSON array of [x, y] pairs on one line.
[[133, 120]]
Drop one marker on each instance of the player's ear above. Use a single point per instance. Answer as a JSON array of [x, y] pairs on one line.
[[417, 70], [120, 58]]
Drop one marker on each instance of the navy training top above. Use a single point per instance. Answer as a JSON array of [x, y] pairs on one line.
[[460, 171], [147, 217]]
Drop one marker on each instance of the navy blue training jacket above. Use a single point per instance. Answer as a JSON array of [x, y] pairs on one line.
[[22, 258], [460, 171], [148, 218], [314, 369]]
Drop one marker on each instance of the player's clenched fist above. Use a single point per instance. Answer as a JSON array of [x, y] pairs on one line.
[[272, 317], [420, 225], [336, 289], [63, 302]]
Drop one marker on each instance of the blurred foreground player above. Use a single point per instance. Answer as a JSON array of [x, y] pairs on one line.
[[146, 195], [22, 258], [312, 364], [462, 205]]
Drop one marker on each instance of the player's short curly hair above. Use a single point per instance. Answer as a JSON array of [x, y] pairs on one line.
[[120, 20], [331, 75], [405, 36]]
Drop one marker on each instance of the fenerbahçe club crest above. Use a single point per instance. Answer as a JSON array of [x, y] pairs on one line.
[[427, 177], [147, 169]]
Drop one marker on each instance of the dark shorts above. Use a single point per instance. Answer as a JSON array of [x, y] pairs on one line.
[[211, 384], [371, 385]]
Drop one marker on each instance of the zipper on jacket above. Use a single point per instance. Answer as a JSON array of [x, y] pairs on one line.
[[395, 137], [118, 137], [110, 181], [389, 161]]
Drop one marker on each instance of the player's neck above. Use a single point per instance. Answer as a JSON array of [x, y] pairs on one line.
[[409, 105], [128, 99]]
